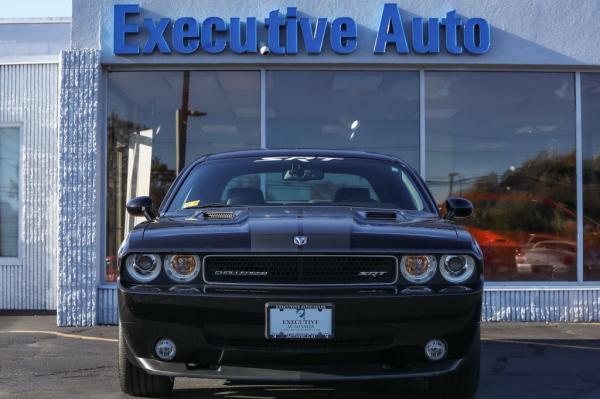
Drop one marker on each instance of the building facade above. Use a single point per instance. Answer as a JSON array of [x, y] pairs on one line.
[[29, 104], [493, 101]]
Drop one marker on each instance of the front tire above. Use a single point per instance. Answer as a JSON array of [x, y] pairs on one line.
[[137, 382], [463, 382]]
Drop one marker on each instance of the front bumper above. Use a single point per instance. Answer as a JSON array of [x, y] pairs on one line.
[[300, 373], [220, 333]]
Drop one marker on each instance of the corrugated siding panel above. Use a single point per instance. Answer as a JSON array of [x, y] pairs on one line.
[[29, 95], [108, 308], [78, 243], [545, 304]]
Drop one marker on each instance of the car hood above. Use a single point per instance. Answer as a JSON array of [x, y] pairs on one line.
[[327, 229]]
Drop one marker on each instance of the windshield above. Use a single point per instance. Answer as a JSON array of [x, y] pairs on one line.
[[301, 181]]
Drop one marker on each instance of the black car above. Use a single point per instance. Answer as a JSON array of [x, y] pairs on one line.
[[299, 265]]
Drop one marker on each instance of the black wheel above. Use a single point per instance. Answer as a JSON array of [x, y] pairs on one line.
[[135, 381], [461, 383]]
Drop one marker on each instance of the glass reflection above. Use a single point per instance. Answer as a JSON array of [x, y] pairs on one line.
[[9, 192], [363, 110], [161, 121], [590, 104], [506, 140]]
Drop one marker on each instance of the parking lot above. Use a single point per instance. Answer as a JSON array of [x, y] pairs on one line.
[[546, 361]]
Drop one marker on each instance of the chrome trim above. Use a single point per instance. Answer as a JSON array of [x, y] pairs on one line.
[[299, 285]]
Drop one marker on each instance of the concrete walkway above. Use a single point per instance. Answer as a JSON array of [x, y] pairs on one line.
[[519, 361]]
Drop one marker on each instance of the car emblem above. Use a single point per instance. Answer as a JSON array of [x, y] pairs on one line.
[[300, 240], [240, 273], [372, 274]]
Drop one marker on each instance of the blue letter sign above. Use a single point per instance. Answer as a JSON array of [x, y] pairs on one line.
[[122, 28], [391, 31], [294, 33]]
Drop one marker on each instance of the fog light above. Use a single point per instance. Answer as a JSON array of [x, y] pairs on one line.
[[165, 349], [436, 349]]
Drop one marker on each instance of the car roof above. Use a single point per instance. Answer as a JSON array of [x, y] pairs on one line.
[[309, 152]]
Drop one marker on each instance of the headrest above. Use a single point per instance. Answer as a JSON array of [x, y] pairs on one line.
[[352, 194], [244, 196]]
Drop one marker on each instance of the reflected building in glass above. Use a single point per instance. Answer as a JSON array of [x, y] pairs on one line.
[[159, 122], [506, 141]]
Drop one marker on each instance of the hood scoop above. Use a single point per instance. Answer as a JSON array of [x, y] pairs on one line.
[[381, 215], [218, 215], [385, 216]]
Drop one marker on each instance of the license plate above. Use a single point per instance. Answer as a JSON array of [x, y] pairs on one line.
[[299, 321]]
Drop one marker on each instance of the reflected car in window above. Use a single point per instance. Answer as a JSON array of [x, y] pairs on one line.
[[299, 265], [548, 257], [508, 225]]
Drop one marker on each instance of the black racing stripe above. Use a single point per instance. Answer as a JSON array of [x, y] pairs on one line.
[[300, 226]]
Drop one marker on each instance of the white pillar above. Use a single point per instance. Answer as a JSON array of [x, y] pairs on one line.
[[78, 183]]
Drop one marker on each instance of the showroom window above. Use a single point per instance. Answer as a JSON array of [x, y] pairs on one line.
[[506, 140], [359, 110], [159, 122], [590, 104], [9, 193]]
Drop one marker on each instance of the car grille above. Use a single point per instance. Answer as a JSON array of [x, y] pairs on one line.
[[300, 269], [304, 346]]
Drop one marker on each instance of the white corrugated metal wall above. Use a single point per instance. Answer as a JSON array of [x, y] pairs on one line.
[[29, 97]]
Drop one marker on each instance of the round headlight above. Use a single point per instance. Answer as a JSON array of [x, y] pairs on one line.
[[457, 268], [182, 268], [143, 268], [418, 268]]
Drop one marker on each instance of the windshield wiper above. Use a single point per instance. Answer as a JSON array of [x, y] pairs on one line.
[[212, 205]]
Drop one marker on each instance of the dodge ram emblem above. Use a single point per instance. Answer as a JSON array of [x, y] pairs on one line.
[[300, 240]]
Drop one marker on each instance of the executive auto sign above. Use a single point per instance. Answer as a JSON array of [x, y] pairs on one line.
[[291, 33]]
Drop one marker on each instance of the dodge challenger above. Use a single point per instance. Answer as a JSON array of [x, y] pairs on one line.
[[299, 265]]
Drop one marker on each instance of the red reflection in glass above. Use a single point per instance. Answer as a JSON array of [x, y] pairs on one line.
[[110, 271]]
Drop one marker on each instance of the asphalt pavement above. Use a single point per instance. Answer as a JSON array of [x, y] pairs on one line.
[[527, 360]]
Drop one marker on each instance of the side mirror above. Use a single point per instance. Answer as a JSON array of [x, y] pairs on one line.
[[141, 206], [458, 208]]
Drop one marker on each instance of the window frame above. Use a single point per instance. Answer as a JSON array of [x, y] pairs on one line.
[[18, 260]]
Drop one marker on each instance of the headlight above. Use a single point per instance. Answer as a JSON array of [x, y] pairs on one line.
[[457, 268], [182, 268], [143, 268], [418, 268]]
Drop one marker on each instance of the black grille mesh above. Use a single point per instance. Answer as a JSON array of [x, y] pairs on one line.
[[309, 270]]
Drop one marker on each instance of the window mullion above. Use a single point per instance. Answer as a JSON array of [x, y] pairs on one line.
[[579, 175]]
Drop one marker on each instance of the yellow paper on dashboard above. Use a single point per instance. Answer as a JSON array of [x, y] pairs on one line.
[[191, 204]]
